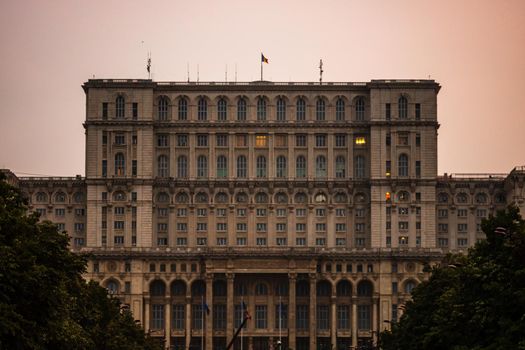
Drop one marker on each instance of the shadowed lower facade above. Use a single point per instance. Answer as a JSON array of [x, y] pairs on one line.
[[316, 206]]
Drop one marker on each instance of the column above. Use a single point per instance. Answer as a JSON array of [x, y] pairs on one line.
[[292, 279], [187, 323], [312, 312], [167, 324], [230, 309], [374, 319], [209, 318], [354, 323], [333, 318], [146, 314]]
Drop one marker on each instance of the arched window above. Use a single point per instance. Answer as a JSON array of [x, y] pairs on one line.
[[300, 167], [241, 197], [157, 289], [120, 165], [221, 197], [320, 166], [409, 286], [240, 289], [300, 198], [242, 169], [183, 109], [181, 197], [261, 108], [403, 165], [281, 198], [60, 197], [281, 289], [78, 197], [219, 289], [119, 196], [344, 289], [324, 289], [340, 197], [340, 109], [163, 108], [462, 198], [481, 198], [281, 109], [320, 110], [163, 197], [360, 109], [201, 197], [112, 287], [202, 166], [261, 289], [359, 167], [340, 167], [442, 197], [182, 167], [198, 288], [222, 166], [320, 197], [222, 110], [302, 289], [403, 196], [119, 107], [365, 289], [281, 166], [261, 166], [261, 197], [41, 197], [178, 288], [300, 114], [402, 105], [163, 166], [202, 109], [241, 109]]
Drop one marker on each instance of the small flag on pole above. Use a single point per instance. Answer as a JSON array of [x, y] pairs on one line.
[[206, 308], [264, 59], [245, 309]]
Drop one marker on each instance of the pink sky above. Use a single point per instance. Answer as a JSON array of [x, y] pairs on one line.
[[474, 49]]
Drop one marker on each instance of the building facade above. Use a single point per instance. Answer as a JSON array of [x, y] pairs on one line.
[[315, 206]]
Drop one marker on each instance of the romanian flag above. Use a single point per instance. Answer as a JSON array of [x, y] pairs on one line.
[[263, 59]]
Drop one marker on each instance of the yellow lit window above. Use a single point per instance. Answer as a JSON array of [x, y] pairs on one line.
[[387, 196], [261, 141], [360, 140]]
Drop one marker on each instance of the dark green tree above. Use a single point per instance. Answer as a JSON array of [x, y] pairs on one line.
[[44, 301], [473, 301]]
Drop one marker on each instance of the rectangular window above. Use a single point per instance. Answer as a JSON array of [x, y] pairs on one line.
[[320, 242], [359, 227], [241, 241], [261, 141], [221, 140], [360, 242], [320, 227], [323, 317], [280, 227], [418, 140], [119, 225], [360, 140], [219, 316], [178, 318], [281, 212], [162, 227], [60, 212], [182, 140], [462, 242], [78, 212], [418, 168], [182, 241], [241, 140], [260, 227], [388, 111], [242, 227], [202, 140], [202, 226], [481, 213], [104, 110], [134, 139], [281, 316], [202, 212], [220, 212], [119, 240], [135, 110], [443, 228], [281, 241], [157, 316], [261, 241], [260, 212], [340, 140], [388, 140], [320, 212], [162, 241], [403, 225], [300, 241], [197, 314], [402, 139], [222, 241], [340, 241], [343, 317], [202, 241], [162, 140], [442, 242], [339, 227], [363, 317], [442, 213], [120, 139], [462, 213], [388, 168], [302, 318], [261, 316], [300, 212], [241, 213], [320, 140], [394, 288], [104, 168], [79, 227], [181, 212], [418, 111], [134, 167], [403, 211], [340, 212], [238, 316], [462, 227], [162, 212], [300, 140]]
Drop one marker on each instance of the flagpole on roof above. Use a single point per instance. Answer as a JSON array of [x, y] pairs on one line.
[[262, 66]]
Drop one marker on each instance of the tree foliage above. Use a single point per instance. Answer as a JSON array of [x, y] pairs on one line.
[[473, 301], [44, 301]]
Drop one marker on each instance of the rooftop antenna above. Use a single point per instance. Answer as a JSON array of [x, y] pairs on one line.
[[226, 74], [188, 70], [197, 73], [321, 72]]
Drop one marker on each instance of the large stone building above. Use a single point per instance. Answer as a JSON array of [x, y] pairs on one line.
[[317, 206]]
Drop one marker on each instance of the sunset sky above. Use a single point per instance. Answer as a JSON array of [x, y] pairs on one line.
[[474, 49]]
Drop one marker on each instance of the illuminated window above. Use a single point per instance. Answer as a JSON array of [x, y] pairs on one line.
[[360, 140], [261, 141], [387, 196]]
